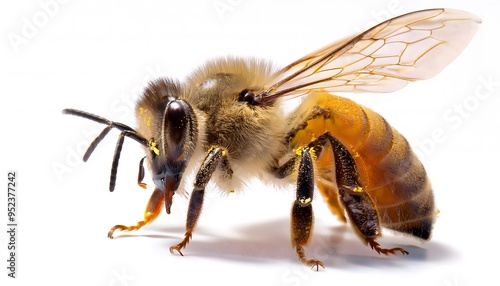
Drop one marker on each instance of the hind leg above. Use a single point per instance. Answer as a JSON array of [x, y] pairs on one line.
[[359, 206]]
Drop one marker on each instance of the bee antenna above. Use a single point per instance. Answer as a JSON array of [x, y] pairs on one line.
[[96, 141], [118, 149], [125, 131]]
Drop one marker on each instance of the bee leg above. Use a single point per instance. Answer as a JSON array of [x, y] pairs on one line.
[[376, 246], [153, 209], [302, 212], [140, 175], [358, 204], [216, 157]]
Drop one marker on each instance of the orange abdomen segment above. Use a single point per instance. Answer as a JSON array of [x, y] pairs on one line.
[[389, 170]]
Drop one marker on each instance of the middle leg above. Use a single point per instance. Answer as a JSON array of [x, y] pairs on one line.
[[302, 212], [302, 216]]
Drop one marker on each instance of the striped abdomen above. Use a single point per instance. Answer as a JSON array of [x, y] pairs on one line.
[[389, 170]]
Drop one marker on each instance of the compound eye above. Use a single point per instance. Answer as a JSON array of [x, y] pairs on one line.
[[249, 97], [176, 114], [177, 123]]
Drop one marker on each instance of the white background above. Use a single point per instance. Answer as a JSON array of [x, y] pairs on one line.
[[98, 55]]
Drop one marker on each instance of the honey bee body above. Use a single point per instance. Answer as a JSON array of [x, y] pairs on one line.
[[227, 123]]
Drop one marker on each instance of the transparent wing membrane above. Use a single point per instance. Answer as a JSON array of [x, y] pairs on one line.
[[385, 58]]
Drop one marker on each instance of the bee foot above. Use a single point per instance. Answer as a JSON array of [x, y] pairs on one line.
[[376, 246], [177, 248], [309, 262], [314, 263], [116, 227], [182, 245]]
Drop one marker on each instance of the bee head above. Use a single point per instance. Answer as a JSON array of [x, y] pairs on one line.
[[171, 125]]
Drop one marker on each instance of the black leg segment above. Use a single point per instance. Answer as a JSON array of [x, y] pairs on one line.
[[216, 157], [302, 213], [357, 203]]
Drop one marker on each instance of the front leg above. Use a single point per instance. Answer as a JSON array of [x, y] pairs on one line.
[[140, 175], [216, 157], [153, 209]]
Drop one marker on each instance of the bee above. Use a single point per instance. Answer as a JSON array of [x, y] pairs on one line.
[[226, 123]]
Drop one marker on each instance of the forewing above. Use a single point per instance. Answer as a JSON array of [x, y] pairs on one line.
[[384, 58]]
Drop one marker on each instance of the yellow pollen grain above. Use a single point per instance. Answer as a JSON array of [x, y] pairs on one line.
[[358, 190], [152, 147], [305, 201]]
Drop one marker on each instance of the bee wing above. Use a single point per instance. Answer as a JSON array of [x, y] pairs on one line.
[[385, 58]]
